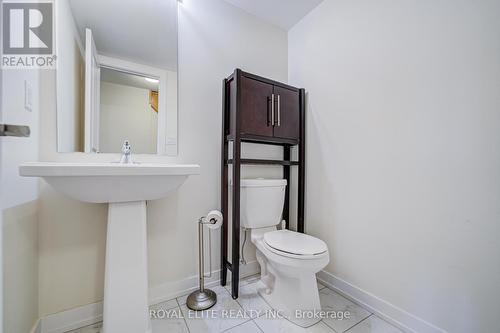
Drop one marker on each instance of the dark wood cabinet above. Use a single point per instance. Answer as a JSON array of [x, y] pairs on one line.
[[287, 113], [268, 111], [263, 111], [256, 107]]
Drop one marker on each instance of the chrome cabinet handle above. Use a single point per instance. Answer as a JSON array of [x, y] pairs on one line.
[[279, 111], [272, 109]]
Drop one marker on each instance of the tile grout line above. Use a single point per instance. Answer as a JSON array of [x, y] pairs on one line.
[[358, 305], [241, 306], [260, 329], [362, 320], [183, 317], [262, 298], [259, 295], [333, 329], [253, 319], [230, 328], [236, 300], [350, 328], [178, 305], [324, 323]]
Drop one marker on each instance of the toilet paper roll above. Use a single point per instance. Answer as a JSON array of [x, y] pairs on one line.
[[212, 216]]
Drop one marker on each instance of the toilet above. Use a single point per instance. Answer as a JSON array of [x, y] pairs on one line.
[[288, 260]]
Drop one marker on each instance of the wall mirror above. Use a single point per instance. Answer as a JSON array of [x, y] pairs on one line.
[[116, 75]]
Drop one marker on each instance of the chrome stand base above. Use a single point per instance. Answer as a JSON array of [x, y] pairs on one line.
[[201, 300]]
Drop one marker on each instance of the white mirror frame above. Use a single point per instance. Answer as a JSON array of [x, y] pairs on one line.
[[167, 100]]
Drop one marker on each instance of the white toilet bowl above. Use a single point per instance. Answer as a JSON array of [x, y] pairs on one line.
[[288, 260], [288, 279]]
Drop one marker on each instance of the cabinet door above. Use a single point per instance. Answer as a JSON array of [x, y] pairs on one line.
[[255, 107], [287, 114]]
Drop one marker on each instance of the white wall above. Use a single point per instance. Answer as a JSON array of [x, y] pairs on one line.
[[214, 38], [15, 151], [125, 114], [403, 126], [70, 79], [20, 267], [18, 204], [171, 118], [1, 194]]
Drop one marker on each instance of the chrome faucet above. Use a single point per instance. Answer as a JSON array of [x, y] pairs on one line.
[[126, 153]]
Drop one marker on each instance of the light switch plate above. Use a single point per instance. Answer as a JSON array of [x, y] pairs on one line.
[[28, 96]]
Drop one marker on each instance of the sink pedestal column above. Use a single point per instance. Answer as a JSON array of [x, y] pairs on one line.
[[126, 273]]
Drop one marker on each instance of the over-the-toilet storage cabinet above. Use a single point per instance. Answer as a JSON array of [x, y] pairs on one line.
[[268, 110], [258, 110]]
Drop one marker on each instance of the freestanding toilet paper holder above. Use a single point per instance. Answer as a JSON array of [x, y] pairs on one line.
[[202, 298]]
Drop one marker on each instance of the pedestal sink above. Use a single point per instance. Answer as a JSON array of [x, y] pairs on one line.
[[125, 187]]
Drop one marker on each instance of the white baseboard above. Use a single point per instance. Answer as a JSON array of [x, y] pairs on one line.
[[92, 313], [391, 313], [169, 290], [72, 319], [37, 328]]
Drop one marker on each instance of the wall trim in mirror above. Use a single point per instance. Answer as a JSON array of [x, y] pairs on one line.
[[165, 79]]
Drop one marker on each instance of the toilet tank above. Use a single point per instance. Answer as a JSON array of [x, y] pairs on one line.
[[261, 202]]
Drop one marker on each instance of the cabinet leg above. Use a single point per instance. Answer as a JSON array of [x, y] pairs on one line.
[[286, 175], [235, 251]]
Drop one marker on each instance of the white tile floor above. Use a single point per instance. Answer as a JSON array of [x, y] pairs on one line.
[[183, 320]]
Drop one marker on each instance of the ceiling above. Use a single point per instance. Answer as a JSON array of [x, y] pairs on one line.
[[145, 31], [142, 31], [282, 13], [127, 79]]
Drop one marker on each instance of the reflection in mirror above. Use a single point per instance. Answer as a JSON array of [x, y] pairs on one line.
[[117, 75], [128, 111]]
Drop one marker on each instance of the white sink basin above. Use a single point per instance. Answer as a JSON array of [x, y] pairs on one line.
[[126, 187], [111, 182]]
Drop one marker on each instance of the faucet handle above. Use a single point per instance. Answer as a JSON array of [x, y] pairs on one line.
[[126, 148], [126, 153]]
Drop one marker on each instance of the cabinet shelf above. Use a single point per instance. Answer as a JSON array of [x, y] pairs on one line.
[[263, 162], [250, 138]]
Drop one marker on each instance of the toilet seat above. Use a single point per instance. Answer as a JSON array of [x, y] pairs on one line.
[[294, 244]]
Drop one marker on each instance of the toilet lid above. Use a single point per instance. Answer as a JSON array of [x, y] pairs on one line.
[[294, 242]]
